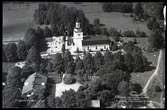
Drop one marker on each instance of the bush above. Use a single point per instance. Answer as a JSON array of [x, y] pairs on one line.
[[69, 79], [140, 34], [129, 33], [117, 7], [114, 47], [158, 89], [136, 87]]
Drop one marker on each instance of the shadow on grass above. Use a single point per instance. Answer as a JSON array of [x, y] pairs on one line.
[[149, 68], [146, 68]]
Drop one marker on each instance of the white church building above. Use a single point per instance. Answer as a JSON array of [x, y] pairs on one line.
[[78, 42]]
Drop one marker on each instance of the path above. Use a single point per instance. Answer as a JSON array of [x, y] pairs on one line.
[[157, 70]]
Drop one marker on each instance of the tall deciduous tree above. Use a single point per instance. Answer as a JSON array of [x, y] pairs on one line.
[[88, 64], [105, 98], [79, 65], [156, 40], [11, 97], [128, 61], [138, 10], [21, 50], [3, 54], [83, 101], [34, 57], [31, 38], [58, 65], [69, 99], [69, 62], [98, 60], [11, 52], [42, 46]]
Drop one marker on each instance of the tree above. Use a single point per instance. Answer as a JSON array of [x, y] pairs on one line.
[[135, 87], [70, 67], [83, 101], [43, 66], [40, 13], [105, 98], [31, 38], [97, 22], [21, 50], [138, 63], [154, 9], [27, 70], [112, 79], [88, 64], [47, 32], [69, 99], [115, 34], [129, 33], [108, 57], [58, 65], [58, 102], [42, 46], [11, 97], [98, 60], [153, 25], [128, 61], [50, 67], [4, 55], [33, 55], [14, 77], [123, 88], [117, 7], [69, 79], [11, 52], [156, 40], [138, 10], [69, 62], [140, 34], [61, 16], [79, 65]]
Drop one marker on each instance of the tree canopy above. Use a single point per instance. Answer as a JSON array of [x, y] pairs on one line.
[[21, 50], [156, 40], [11, 52]]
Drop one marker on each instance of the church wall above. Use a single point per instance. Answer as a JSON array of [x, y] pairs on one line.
[[96, 47]]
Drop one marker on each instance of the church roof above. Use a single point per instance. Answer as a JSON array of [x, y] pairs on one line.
[[95, 39]]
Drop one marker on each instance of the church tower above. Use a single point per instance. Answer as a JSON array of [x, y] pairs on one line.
[[77, 36]]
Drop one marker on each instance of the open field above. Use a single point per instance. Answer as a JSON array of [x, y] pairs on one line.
[[114, 19], [17, 18]]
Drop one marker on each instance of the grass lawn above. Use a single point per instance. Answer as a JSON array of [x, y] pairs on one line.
[[155, 96], [141, 77], [15, 23], [17, 18], [112, 19]]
